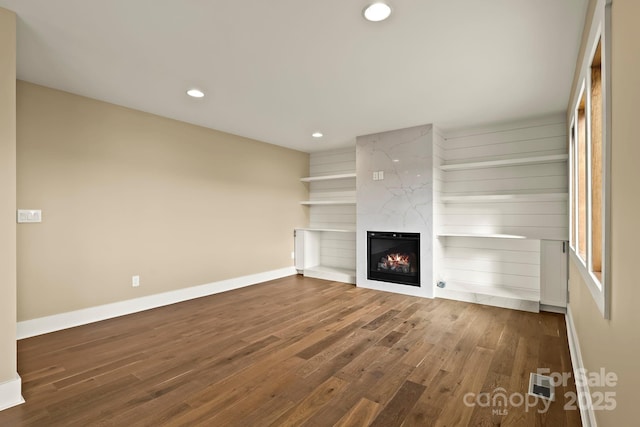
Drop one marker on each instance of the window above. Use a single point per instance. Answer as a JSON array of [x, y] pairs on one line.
[[582, 178], [589, 145], [595, 150], [572, 186]]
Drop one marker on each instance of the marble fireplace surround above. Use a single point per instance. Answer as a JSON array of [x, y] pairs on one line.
[[401, 202]]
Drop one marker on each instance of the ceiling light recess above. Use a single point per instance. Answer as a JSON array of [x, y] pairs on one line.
[[317, 135], [195, 93], [377, 12]]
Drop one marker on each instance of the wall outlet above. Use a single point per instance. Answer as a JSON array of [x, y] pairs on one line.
[[293, 255], [29, 215], [135, 281]]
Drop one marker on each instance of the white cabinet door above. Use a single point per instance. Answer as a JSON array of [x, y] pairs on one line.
[[306, 249], [298, 250], [553, 272]]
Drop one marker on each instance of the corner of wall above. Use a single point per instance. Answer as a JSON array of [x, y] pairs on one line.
[[584, 395], [10, 393], [10, 384]]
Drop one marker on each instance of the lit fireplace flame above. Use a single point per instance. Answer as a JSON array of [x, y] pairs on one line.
[[397, 259], [396, 262]]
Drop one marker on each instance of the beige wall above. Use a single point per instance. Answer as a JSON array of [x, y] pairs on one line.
[[615, 344], [126, 193], [7, 195]]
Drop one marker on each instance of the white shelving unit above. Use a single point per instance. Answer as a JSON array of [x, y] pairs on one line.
[[329, 230], [503, 197], [335, 274], [522, 197], [328, 177], [328, 202], [506, 162], [486, 236], [326, 248]]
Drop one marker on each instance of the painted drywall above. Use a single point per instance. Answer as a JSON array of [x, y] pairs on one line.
[[7, 195], [127, 193], [614, 344]]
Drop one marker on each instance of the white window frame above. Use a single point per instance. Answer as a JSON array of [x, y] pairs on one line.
[[600, 31], [573, 196], [575, 187]]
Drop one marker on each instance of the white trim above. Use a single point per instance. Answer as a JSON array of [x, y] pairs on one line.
[[553, 308], [519, 197], [414, 291], [484, 299], [331, 230], [587, 414], [328, 202], [553, 158], [606, 164], [600, 30], [328, 177], [56, 322], [490, 236], [11, 393], [573, 161], [334, 274], [592, 283]]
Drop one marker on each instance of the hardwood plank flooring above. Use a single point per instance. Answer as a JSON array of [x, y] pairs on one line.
[[296, 352]]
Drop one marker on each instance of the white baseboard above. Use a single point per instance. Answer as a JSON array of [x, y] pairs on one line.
[[333, 274], [587, 414], [11, 393], [56, 322], [495, 301], [553, 308]]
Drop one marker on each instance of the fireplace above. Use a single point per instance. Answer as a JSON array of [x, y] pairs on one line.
[[393, 257]]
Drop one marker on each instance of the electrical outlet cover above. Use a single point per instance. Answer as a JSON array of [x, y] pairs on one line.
[[29, 215]]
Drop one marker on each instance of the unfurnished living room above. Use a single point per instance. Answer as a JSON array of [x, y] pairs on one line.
[[319, 213]]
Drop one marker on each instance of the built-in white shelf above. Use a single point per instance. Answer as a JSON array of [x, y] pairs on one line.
[[499, 291], [480, 198], [328, 202], [330, 230], [325, 247], [517, 299], [331, 273], [491, 236], [500, 204], [328, 177], [506, 162]]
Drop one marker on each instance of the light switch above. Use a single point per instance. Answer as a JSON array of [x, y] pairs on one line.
[[380, 175], [29, 215], [375, 176]]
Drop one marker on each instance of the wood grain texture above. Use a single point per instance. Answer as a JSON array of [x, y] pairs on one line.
[[293, 351]]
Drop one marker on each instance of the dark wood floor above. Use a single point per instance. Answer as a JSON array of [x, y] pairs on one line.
[[294, 351]]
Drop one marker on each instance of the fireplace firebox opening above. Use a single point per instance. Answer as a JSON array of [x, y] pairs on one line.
[[393, 257]]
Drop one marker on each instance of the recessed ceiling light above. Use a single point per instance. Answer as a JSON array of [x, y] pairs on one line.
[[195, 93], [396, 160], [377, 12], [317, 135]]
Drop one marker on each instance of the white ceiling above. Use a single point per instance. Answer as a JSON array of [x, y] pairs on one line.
[[278, 70]]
